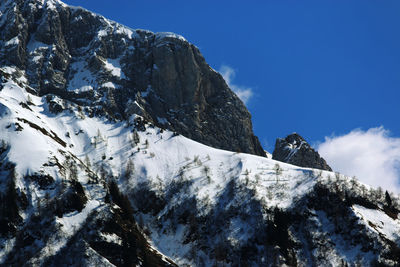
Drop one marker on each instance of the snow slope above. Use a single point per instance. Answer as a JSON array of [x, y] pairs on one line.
[[160, 156], [241, 191]]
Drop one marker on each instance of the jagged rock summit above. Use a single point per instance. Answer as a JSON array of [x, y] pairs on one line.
[[112, 70], [295, 150]]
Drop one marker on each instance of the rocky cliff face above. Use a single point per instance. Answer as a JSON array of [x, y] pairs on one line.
[[115, 71], [295, 150]]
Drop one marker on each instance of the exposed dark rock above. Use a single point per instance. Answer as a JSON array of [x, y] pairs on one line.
[[161, 77], [295, 150], [132, 250], [74, 199], [10, 201], [43, 180], [54, 106]]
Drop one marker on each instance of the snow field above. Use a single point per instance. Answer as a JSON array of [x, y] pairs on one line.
[[159, 158]]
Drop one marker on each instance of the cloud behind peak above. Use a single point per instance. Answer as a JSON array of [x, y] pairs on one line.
[[373, 156]]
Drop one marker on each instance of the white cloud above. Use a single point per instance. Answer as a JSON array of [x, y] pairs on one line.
[[244, 93], [373, 156]]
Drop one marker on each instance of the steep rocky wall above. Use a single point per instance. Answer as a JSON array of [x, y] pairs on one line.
[[117, 72]]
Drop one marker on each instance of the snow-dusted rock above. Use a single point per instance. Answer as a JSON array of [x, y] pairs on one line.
[[295, 150]]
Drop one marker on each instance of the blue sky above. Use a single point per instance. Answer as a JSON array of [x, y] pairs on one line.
[[319, 68]]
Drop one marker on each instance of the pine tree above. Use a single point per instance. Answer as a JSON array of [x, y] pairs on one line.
[[99, 138], [46, 200], [130, 169], [388, 199], [3, 145], [353, 182], [38, 206], [102, 172], [135, 137], [206, 171], [379, 193]]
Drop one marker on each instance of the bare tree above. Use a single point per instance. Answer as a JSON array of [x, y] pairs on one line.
[[73, 171], [135, 138], [278, 171], [206, 171]]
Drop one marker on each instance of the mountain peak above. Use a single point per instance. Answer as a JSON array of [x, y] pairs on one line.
[[295, 150], [114, 71]]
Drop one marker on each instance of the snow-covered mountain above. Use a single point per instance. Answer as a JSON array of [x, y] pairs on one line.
[[114, 71], [86, 182]]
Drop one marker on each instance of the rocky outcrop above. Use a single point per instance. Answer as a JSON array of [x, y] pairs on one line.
[[114, 71], [295, 150]]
